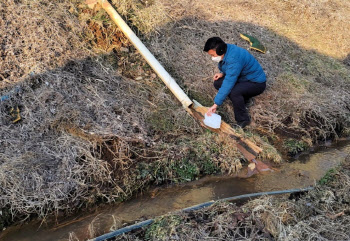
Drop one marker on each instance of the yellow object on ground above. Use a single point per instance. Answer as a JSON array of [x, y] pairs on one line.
[[254, 43], [15, 114]]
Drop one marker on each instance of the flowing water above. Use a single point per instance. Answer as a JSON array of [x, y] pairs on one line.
[[303, 172]]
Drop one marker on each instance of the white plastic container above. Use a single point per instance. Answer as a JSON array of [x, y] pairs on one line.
[[213, 121]]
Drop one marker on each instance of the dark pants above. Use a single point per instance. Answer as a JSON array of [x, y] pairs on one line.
[[240, 95]]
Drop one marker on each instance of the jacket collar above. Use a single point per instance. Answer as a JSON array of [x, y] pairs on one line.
[[229, 47]]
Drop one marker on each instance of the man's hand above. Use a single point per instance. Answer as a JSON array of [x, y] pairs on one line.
[[218, 76], [212, 110]]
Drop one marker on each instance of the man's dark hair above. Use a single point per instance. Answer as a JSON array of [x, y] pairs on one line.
[[213, 43]]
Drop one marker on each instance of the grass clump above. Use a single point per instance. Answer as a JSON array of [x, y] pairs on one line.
[[194, 160], [294, 146], [328, 177], [345, 132], [161, 123], [162, 228], [185, 170], [209, 167], [168, 171]]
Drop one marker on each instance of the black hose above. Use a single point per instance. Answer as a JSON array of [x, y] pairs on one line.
[[197, 207], [123, 230], [251, 195]]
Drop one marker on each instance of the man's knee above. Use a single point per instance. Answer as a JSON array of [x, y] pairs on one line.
[[217, 84], [236, 98], [235, 94]]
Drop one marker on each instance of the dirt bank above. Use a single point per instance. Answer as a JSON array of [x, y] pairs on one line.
[[301, 173], [320, 214], [97, 125]]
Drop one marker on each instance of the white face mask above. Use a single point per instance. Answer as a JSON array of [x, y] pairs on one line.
[[216, 59]]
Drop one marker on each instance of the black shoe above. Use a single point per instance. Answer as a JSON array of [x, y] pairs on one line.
[[243, 124]]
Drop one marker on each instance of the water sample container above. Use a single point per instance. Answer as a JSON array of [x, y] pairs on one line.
[[213, 121]]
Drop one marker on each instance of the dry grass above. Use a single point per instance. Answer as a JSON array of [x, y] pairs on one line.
[[311, 24], [142, 14], [309, 90], [37, 36], [56, 157], [79, 117], [321, 214], [85, 128]]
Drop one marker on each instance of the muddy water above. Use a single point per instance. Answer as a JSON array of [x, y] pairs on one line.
[[301, 173]]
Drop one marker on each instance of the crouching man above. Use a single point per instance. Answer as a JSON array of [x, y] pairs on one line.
[[241, 77]]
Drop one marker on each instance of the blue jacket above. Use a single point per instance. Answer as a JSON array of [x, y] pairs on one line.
[[238, 65]]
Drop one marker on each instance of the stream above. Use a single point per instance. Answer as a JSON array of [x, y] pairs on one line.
[[306, 170]]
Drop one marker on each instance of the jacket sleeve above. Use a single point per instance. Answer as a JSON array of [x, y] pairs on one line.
[[232, 73]]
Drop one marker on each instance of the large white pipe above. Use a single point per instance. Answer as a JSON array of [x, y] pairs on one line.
[[151, 60]]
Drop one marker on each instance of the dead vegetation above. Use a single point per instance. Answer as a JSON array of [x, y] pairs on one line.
[[320, 214], [96, 121], [308, 94], [86, 133], [60, 164], [37, 36]]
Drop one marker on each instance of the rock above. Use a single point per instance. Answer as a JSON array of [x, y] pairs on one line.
[[303, 173], [123, 49]]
